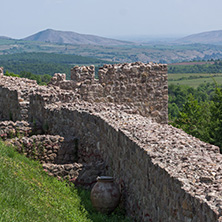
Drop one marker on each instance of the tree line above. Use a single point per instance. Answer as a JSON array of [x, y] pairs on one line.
[[45, 63], [197, 111], [216, 67], [40, 79], [40, 57]]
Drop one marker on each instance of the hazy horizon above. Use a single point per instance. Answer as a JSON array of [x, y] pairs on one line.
[[119, 37], [116, 19]]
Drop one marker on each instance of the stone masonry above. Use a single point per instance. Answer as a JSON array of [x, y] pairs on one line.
[[1, 71], [163, 173], [141, 87], [57, 156]]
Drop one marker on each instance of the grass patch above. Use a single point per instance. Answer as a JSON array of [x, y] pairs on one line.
[[27, 193]]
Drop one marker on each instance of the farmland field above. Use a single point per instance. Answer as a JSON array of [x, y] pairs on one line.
[[194, 79], [163, 53]]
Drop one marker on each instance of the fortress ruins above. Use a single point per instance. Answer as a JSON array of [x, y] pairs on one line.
[[115, 125]]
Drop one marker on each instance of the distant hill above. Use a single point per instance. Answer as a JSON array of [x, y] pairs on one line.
[[5, 37], [63, 37], [212, 37]]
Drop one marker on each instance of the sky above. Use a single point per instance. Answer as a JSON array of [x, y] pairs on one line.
[[115, 18]]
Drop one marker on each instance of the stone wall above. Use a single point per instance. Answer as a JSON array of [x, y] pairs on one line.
[[81, 174], [142, 86], [10, 129], [84, 73], [15, 93], [138, 86], [14, 97], [163, 173], [10, 108], [56, 154], [1, 71], [45, 148]]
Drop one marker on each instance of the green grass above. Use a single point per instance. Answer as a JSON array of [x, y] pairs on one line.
[[27, 193], [194, 79]]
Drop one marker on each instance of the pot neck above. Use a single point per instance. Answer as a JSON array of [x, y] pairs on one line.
[[105, 179]]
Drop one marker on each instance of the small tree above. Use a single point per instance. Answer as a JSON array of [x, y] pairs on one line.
[[194, 118], [216, 118]]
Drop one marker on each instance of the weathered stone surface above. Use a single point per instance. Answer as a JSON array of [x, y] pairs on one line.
[[14, 97], [147, 159], [41, 147], [1, 72], [10, 129], [82, 74], [163, 173], [80, 174], [136, 85]]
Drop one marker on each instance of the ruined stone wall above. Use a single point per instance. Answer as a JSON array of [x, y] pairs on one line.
[[84, 73], [57, 156], [10, 108], [140, 86], [15, 93], [1, 71], [10, 129], [14, 97], [163, 173]]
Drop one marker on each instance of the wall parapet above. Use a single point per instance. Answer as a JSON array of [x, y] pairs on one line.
[[81, 74], [141, 86]]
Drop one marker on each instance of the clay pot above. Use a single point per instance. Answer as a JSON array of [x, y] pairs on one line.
[[105, 195]]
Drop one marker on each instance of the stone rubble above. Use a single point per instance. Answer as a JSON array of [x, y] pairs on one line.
[[80, 174], [10, 129]]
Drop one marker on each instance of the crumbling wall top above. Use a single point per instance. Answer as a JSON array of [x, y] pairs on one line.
[[80, 74], [1, 71], [138, 85]]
